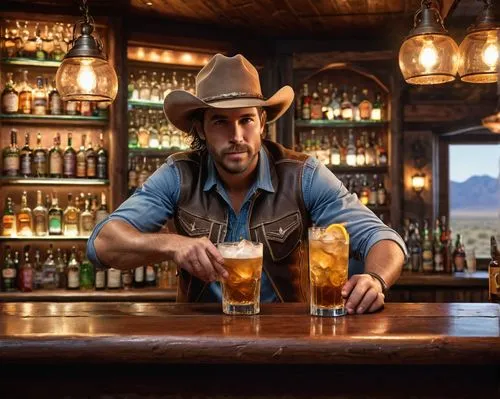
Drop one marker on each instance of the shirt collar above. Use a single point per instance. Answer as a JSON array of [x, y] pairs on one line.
[[263, 173]]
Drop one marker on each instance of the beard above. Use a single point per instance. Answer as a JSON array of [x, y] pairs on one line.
[[235, 159]]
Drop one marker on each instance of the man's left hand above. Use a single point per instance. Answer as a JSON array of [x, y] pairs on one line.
[[363, 294]]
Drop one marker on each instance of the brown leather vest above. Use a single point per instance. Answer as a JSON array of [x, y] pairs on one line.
[[279, 220]]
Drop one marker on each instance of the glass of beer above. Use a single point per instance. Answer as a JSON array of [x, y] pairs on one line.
[[241, 290], [328, 262]]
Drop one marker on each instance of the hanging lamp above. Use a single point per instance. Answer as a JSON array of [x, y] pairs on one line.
[[428, 55], [85, 74]]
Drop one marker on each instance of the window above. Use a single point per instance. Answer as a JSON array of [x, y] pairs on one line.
[[475, 194]]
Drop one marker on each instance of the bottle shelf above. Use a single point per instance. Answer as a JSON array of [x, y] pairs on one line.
[[145, 103], [54, 119], [30, 62], [152, 151], [51, 181], [338, 123], [44, 238], [358, 169]]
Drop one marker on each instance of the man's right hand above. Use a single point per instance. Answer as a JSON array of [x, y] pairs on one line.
[[199, 257]]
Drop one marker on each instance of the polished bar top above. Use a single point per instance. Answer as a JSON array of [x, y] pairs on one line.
[[403, 333], [462, 280]]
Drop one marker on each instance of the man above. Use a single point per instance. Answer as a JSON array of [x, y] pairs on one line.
[[236, 185]]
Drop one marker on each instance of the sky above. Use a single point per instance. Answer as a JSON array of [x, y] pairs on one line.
[[474, 160]]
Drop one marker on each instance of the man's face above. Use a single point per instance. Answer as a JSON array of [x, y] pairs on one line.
[[233, 137]]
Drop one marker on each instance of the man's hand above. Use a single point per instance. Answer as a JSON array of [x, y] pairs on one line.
[[363, 294], [199, 257]]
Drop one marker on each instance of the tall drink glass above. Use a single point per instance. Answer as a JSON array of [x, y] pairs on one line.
[[241, 290], [328, 262]]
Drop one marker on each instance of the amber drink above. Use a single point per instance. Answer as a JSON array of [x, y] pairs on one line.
[[328, 261], [241, 290]]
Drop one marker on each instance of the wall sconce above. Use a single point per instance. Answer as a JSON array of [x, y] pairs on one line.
[[418, 182]]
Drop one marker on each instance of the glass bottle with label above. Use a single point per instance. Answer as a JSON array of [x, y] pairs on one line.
[[10, 96], [335, 152], [360, 153], [100, 277], [102, 213], [26, 274], [86, 274], [60, 270], [427, 255], [81, 160], [73, 271], [305, 105], [55, 101], [114, 279], [133, 139], [377, 112], [24, 218], [102, 159], [11, 157], [25, 95], [86, 220], [40, 53], [72, 107], [9, 272], [55, 217], [70, 218], [155, 88], [69, 159], [316, 106], [346, 107], [38, 270], [39, 98], [40, 216], [150, 280], [365, 106], [381, 193], [91, 160], [56, 158], [39, 158], [57, 54], [356, 115], [372, 197], [459, 255], [438, 249], [8, 219], [26, 157], [351, 150], [144, 88], [49, 271], [382, 157], [127, 279], [139, 277], [370, 153]]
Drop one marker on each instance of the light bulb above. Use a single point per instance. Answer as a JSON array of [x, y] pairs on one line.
[[86, 78], [490, 53], [428, 57]]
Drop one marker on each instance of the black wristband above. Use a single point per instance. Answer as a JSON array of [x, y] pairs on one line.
[[382, 282]]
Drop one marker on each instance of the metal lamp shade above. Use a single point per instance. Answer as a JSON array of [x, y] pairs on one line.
[[479, 56]]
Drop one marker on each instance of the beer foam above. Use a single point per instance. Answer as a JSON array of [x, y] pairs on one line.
[[242, 250]]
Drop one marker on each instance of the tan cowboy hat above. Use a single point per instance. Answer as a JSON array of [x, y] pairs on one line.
[[225, 82]]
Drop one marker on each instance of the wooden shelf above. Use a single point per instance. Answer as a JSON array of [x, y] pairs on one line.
[[338, 123], [54, 120], [152, 151], [145, 103], [30, 62], [164, 66], [45, 238], [21, 181], [476, 279], [132, 295], [358, 169]]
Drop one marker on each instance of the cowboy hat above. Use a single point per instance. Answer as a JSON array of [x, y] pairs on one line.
[[225, 82]]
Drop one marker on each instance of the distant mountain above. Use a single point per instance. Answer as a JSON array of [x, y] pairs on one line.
[[477, 192]]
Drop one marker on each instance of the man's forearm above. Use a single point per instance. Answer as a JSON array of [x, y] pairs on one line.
[[385, 258], [120, 245]]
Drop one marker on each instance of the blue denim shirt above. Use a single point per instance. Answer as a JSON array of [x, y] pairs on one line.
[[325, 197]]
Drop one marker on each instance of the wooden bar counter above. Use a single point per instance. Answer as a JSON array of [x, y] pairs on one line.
[[135, 350]]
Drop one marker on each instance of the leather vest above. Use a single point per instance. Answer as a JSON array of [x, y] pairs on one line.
[[278, 220]]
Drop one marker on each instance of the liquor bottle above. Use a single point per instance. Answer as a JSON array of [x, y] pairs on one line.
[[150, 280], [494, 272], [143, 174], [459, 255], [26, 157], [131, 87], [316, 106], [26, 273], [335, 104], [415, 250], [360, 153], [55, 217], [365, 192], [91, 160], [381, 193], [10, 96], [81, 160], [39, 98], [73, 271], [25, 95], [445, 238], [139, 277], [102, 159], [427, 255], [324, 150], [365, 106], [127, 279], [102, 213], [86, 220], [38, 271], [69, 159], [370, 153], [356, 115], [9, 272], [155, 88], [335, 152], [326, 99], [56, 158], [24, 218], [372, 196], [164, 134], [132, 175], [40, 53], [351, 150], [133, 139], [376, 114], [470, 260], [40, 217], [114, 279], [86, 274], [8, 219], [39, 158], [346, 107], [343, 151], [100, 277], [11, 157], [175, 139], [438, 249], [144, 88], [306, 103], [85, 108], [55, 101], [70, 218], [57, 54], [382, 157], [154, 137], [61, 278], [72, 107], [49, 271]]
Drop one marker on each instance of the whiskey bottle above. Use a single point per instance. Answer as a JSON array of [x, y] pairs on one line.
[[102, 213], [55, 101], [73, 271], [8, 219], [91, 161], [370, 153], [335, 104], [351, 150], [164, 135], [26, 158], [381, 193], [372, 196], [81, 160], [40, 53], [365, 106], [11, 157], [144, 88], [10, 96], [100, 277], [38, 271], [40, 216], [9, 272], [346, 107], [114, 279], [61, 279], [69, 159], [324, 151], [55, 217], [102, 159], [445, 241], [376, 114], [26, 273], [25, 95], [70, 218], [360, 153], [306, 103], [24, 218], [155, 88], [316, 105], [335, 152], [86, 220], [151, 276], [49, 271], [56, 158], [382, 157], [356, 115], [438, 249], [39, 98], [494, 272], [427, 254], [459, 255], [39, 158]]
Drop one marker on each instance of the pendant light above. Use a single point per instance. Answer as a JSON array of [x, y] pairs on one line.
[[85, 74], [428, 55], [479, 50]]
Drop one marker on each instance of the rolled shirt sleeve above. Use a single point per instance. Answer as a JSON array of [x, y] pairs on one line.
[[328, 201], [148, 208]]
